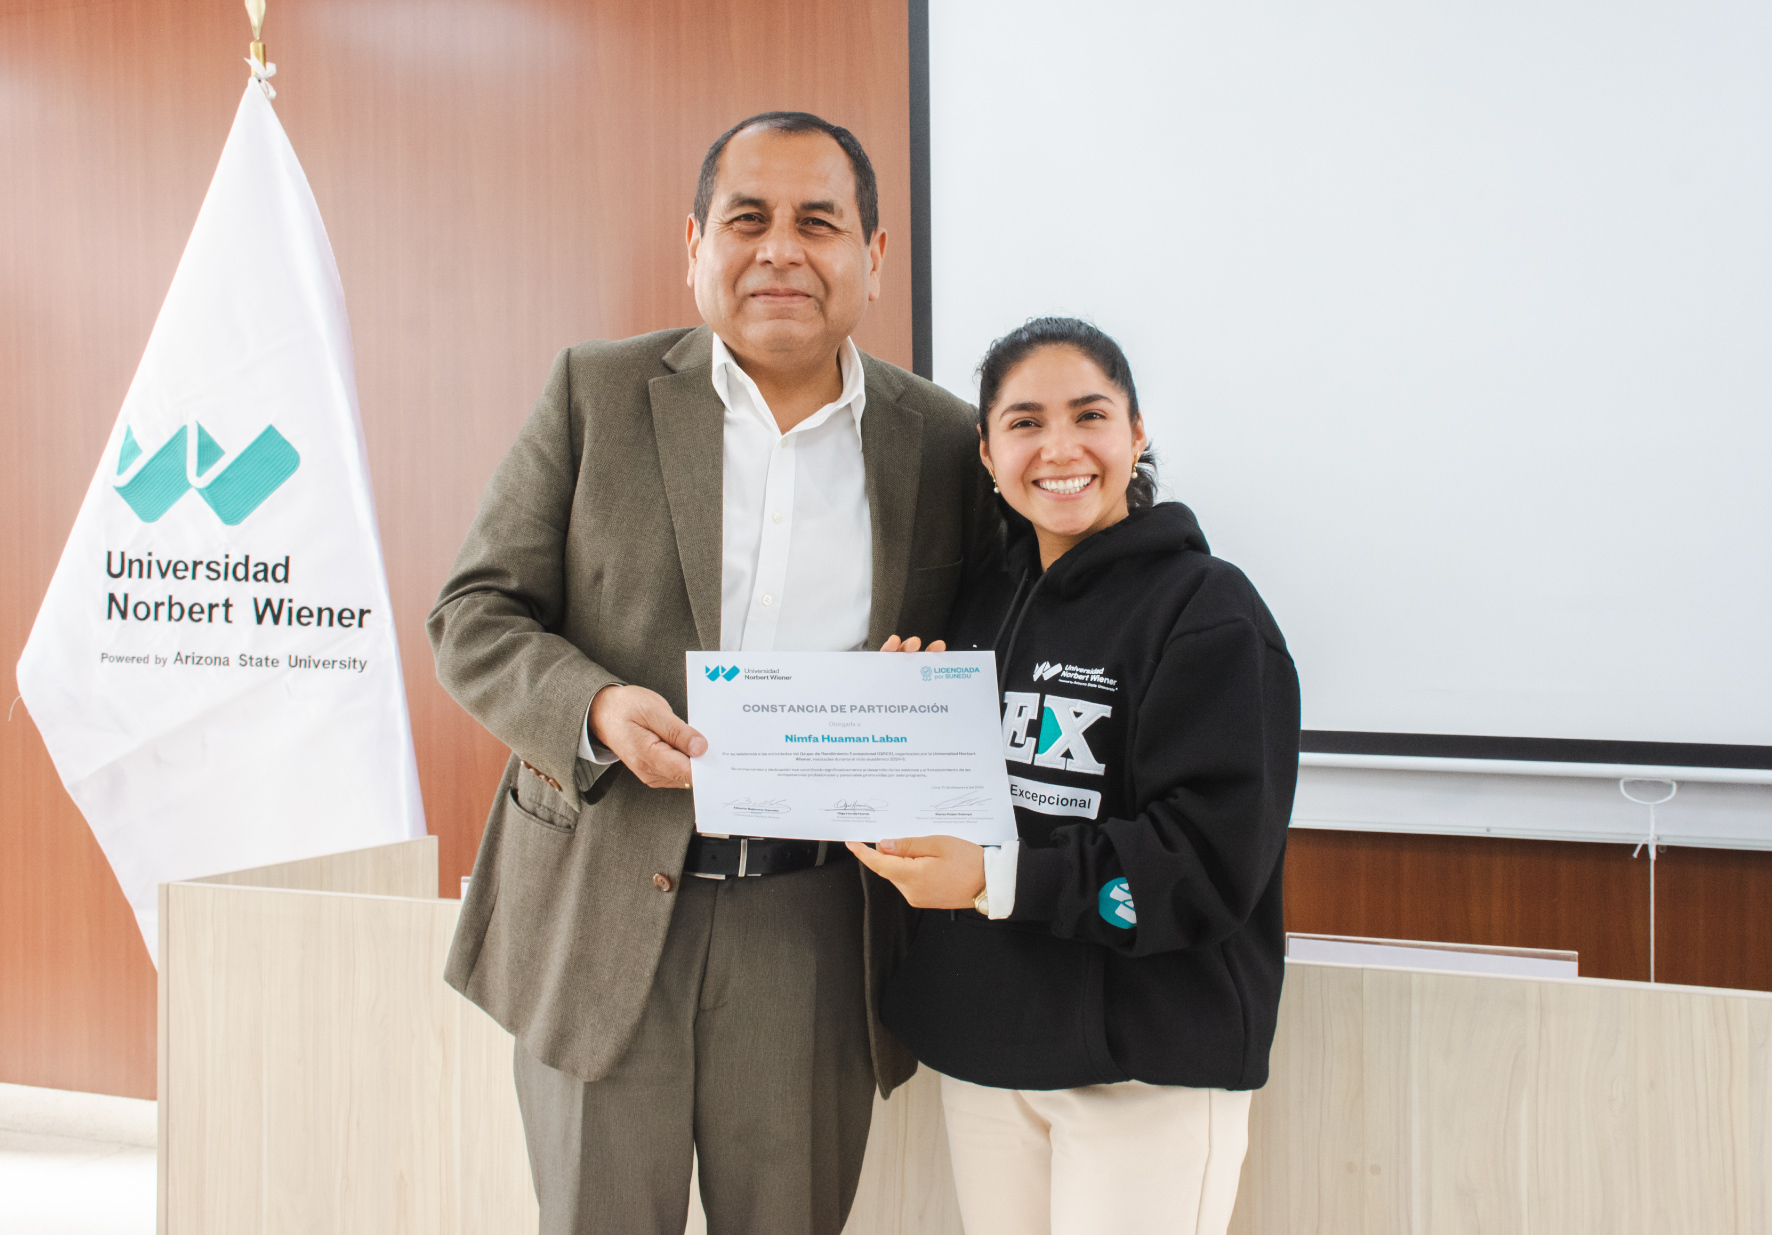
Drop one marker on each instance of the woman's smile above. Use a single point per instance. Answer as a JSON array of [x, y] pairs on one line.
[[1064, 486], [1062, 439]]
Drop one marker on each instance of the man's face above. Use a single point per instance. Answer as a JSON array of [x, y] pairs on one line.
[[782, 272]]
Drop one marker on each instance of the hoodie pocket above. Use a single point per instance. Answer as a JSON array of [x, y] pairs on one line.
[[1095, 1036], [1000, 1006]]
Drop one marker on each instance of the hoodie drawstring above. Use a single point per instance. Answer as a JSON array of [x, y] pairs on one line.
[[1014, 600], [1015, 630]]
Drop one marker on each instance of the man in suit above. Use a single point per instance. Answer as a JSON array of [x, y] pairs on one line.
[[752, 483]]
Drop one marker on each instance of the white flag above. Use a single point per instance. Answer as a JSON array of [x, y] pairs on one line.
[[214, 668]]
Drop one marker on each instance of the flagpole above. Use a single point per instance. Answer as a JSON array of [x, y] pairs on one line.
[[160, 731], [262, 69], [255, 13]]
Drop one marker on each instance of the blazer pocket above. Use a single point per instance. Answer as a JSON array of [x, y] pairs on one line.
[[535, 798], [933, 582], [928, 596]]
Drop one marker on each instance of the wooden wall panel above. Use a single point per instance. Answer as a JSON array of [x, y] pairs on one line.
[[1713, 906], [1713, 920], [1589, 898], [499, 180]]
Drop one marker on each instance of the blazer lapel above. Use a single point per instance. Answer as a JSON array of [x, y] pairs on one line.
[[892, 456], [689, 424]]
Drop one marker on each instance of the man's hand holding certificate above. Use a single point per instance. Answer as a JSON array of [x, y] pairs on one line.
[[849, 745]]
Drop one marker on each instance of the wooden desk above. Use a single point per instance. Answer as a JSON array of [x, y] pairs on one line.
[[317, 1075]]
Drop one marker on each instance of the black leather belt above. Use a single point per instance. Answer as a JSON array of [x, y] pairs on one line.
[[745, 855]]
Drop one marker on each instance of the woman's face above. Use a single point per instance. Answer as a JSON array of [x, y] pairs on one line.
[[1062, 446]]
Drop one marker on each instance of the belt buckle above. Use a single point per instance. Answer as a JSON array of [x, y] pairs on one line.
[[744, 854]]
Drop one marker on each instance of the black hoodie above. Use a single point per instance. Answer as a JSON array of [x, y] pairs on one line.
[[1151, 726]]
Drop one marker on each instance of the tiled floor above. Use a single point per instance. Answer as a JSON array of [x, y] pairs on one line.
[[63, 1170], [58, 1185]]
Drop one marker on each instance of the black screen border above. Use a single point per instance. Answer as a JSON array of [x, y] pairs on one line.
[[922, 328]]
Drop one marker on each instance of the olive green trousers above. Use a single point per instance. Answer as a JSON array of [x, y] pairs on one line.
[[751, 1061]]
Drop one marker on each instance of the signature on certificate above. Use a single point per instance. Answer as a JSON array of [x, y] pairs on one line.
[[854, 807], [962, 802], [759, 806]]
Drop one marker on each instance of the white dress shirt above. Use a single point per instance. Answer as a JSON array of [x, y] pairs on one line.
[[796, 539], [797, 542]]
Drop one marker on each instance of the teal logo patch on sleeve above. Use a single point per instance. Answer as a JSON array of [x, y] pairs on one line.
[[1115, 904]]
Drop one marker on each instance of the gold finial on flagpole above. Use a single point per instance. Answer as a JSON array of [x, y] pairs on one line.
[[255, 12]]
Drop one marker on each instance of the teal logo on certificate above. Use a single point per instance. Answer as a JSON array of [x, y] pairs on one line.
[[1115, 904], [843, 746]]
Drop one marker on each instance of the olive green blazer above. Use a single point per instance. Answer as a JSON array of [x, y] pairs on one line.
[[594, 560]]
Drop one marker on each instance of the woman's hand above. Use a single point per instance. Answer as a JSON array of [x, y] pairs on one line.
[[915, 642], [933, 872]]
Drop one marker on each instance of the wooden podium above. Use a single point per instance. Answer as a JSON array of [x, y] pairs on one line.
[[317, 1075]]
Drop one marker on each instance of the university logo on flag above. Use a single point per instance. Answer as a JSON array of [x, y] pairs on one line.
[[151, 483], [214, 668]]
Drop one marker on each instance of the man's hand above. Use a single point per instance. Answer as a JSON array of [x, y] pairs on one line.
[[895, 644], [933, 872], [642, 731]]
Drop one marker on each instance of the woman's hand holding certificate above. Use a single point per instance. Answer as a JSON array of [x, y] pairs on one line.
[[849, 746], [933, 872]]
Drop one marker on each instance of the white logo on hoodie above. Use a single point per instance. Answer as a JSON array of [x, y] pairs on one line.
[[1063, 721]]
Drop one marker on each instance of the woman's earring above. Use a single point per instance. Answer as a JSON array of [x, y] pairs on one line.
[[994, 488]]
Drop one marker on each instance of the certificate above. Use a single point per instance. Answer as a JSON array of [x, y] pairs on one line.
[[849, 745]]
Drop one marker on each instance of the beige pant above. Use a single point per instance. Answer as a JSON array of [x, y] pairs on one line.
[[1101, 1160]]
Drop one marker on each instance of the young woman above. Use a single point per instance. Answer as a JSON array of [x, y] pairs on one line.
[[1100, 996]]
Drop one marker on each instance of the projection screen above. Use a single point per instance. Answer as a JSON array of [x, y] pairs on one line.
[[1451, 321]]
